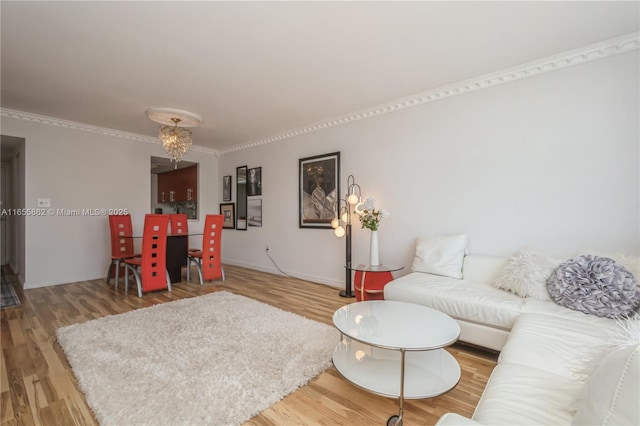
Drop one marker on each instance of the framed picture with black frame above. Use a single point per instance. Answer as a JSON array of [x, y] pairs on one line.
[[254, 212], [254, 181], [227, 210], [241, 198], [319, 190], [226, 188]]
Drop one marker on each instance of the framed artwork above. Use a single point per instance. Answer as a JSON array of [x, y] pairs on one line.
[[226, 188], [241, 198], [254, 209], [319, 183], [254, 181], [227, 210]]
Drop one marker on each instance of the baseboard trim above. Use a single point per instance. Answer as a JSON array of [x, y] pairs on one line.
[[300, 276]]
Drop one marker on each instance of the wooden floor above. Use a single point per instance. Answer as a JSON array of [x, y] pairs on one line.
[[38, 386]]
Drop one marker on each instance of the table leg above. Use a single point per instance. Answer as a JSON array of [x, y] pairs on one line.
[[402, 361], [397, 420], [177, 248]]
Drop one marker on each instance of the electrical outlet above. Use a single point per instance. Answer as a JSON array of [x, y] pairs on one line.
[[268, 247]]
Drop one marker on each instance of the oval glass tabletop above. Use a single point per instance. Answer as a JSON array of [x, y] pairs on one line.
[[396, 325]]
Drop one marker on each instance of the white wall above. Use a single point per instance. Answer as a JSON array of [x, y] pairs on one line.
[[82, 170], [549, 162]]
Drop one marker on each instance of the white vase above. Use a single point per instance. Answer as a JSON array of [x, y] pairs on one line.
[[374, 259]]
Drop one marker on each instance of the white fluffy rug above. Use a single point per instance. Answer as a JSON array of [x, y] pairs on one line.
[[217, 359]]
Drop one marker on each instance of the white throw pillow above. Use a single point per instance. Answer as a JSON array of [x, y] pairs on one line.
[[441, 255], [526, 275]]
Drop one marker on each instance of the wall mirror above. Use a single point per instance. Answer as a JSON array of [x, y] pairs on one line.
[[241, 194]]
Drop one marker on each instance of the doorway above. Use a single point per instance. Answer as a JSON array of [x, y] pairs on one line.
[[4, 218], [12, 200], [4, 235]]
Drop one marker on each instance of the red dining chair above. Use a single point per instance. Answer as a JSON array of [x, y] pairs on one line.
[[178, 222], [179, 225], [208, 260], [121, 243], [150, 269]]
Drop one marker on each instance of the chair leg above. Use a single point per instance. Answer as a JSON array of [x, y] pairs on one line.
[[138, 282], [199, 265], [137, 277], [223, 277], [109, 272], [118, 272], [188, 268], [169, 280], [126, 279]]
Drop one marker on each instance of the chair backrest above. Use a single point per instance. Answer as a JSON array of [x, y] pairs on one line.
[[212, 247], [120, 226], [178, 223], [154, 252]]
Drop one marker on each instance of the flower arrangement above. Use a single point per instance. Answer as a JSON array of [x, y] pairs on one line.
[[370, 217]]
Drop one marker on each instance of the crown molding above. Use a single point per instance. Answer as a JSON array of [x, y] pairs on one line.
[[604, 49], [73, 125]]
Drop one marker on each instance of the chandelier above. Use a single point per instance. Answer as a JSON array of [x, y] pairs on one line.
[[175, 137], [175, 140]]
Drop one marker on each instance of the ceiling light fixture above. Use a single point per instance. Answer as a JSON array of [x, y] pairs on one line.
[[174, 135]]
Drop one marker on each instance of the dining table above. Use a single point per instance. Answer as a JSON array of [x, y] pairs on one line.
[[176, 254]]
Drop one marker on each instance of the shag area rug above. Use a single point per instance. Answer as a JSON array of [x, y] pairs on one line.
[[216, 360], [8, 296]]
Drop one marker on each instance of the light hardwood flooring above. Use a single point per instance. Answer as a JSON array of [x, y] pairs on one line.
[[38, 386]]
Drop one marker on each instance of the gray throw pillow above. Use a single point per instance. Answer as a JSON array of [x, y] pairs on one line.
[[594, 285]]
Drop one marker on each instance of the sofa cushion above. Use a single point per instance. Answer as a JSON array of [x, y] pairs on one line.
[[454, 419], [533, 306], [441, 255], [558, 345], [612, 394], [474, 302], [482, 269], [526, 275], [522, 395]]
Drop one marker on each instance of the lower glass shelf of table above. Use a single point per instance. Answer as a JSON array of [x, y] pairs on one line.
[[427, 373]]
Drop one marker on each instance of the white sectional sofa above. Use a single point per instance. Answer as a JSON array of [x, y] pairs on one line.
[[485, 314], [556, 366]]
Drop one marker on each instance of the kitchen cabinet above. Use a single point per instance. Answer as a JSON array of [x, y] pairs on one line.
[[178, 186]]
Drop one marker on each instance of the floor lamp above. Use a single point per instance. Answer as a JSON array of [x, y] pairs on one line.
[[342, 226]]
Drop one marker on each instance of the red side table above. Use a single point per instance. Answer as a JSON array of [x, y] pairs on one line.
[[369, 281]]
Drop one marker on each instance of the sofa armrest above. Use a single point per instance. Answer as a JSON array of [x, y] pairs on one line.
[[453, 419]]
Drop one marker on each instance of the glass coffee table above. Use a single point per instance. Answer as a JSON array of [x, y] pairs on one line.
[[395, 349]]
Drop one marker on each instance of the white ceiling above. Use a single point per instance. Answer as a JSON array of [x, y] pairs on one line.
[[254, 70]]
